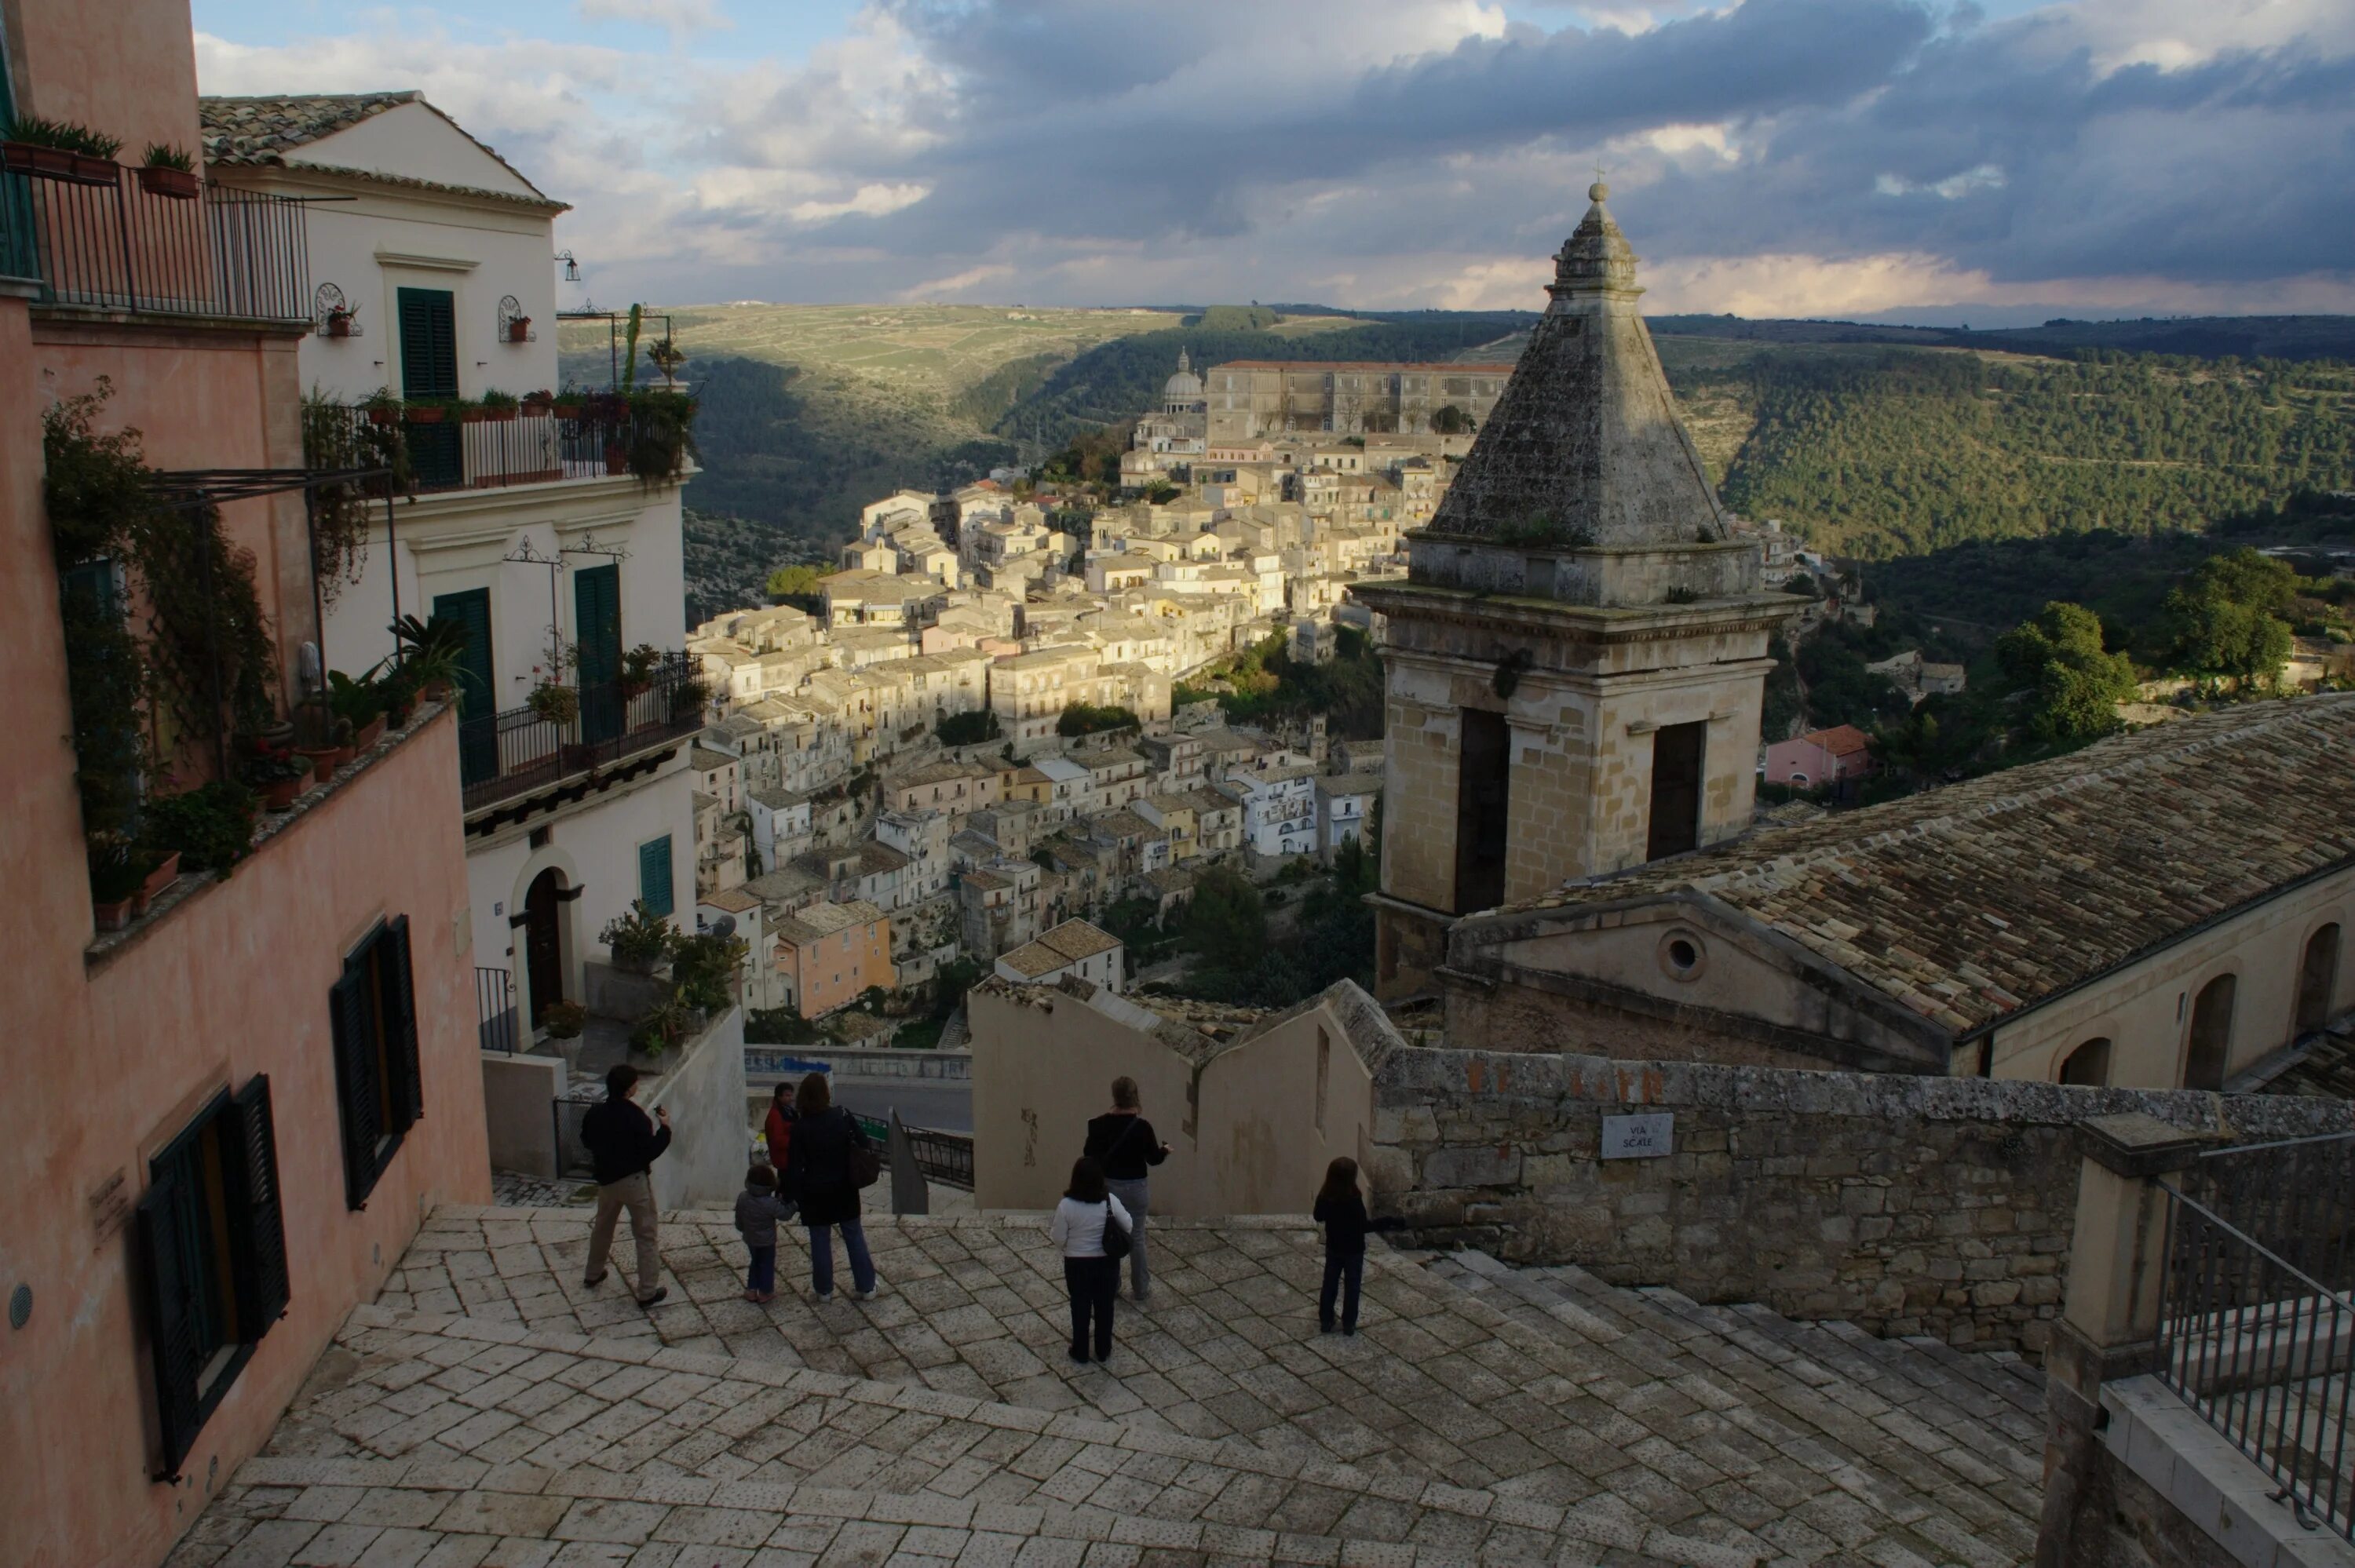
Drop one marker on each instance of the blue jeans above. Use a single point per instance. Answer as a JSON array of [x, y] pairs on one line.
[[854, 1242], [761, 1278]]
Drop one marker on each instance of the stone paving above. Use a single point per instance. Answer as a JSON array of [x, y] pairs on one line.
[[488, 1412]]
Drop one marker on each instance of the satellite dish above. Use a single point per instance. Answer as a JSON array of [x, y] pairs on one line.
[[724, 928]]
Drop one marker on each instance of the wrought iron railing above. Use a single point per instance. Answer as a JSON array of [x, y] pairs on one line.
[[439, 448], [120, 245], [943, 1157], [2256, 1318], [498, 1021], [501, 756]]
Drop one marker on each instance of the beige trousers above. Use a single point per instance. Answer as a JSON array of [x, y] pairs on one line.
[[635, 1194]]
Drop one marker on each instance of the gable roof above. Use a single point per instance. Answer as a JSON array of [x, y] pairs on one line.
[[261, 131], [1972, 903], [1840, 740], [1584, 447]]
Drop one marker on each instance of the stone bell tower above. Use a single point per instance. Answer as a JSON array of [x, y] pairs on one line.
[[1577, 657]]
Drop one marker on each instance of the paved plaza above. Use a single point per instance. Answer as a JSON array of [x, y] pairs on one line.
[[489, 1412]]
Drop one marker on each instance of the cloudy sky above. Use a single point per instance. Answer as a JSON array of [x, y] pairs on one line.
[[1990, 161]]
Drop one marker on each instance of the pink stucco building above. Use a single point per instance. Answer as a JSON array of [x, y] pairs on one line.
[[233, 1114], [1820, 757]]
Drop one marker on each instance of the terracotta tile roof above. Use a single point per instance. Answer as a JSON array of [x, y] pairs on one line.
[[1973, 902], [1840, 740], [262, 131], [732, 900], [1077, 940]]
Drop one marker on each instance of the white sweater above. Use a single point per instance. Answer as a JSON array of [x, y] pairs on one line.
[[1078, 1227]]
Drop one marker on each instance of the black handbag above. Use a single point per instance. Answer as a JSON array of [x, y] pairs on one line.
[[1116, 1241]]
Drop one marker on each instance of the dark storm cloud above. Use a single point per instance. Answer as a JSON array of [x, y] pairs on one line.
[[1058, 127]]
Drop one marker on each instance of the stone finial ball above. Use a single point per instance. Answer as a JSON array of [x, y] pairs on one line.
[[1598, 192]]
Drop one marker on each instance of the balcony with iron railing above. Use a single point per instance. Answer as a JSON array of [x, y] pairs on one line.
[[504, 756], [445, 445], [98, 235]]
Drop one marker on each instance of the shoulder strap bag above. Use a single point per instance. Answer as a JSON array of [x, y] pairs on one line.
[[1116, 1237]]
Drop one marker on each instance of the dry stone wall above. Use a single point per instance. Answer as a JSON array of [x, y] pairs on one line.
[[1908, 1205]]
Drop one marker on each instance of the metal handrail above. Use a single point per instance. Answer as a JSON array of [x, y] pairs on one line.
[[502, 755], [119, 245], [2259, 1348]]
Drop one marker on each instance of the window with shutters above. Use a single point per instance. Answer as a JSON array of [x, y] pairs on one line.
[[377, 1087], [654, 875], [213, 1256]]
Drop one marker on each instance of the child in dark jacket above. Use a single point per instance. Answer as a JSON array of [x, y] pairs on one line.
[[759, 1209], [1341, 1210]]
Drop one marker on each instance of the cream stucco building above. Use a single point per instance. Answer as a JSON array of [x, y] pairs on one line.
[[433, 277]]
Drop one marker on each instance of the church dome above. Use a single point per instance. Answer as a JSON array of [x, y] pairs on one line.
[[1185, 386]]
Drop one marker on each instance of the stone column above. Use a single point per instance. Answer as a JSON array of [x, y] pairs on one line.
[[2109, 1319]]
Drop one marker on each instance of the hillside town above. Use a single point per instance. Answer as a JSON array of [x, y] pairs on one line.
[[1301, 1002]]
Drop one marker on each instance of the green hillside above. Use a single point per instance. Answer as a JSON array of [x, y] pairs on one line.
[[1906, 451]]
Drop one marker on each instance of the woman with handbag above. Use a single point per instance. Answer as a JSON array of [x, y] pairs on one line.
[[1093, 1229], [831, 1159]]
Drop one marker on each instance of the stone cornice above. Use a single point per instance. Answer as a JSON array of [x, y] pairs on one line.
[[1577, 622]]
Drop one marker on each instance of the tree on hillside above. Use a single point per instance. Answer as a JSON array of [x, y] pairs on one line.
[[796, 582], [1226, 922], [2228, 615], [2073, 685]]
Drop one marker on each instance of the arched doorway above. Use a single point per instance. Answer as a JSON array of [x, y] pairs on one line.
[[2212, 1035], [2088, 1064], [543, 944], [2317, 975]]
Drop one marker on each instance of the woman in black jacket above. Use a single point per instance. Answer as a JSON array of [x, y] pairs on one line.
[[819, 1173]]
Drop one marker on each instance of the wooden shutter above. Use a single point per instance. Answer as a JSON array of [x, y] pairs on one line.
[[654, 875], [259, 1249], [356, 1083], [172, 1333], [398, 987], [428, 343]]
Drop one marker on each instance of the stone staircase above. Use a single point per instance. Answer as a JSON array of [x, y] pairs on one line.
[[491, 1405]]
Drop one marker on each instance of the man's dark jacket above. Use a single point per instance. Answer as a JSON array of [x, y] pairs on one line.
[[623, 1139]]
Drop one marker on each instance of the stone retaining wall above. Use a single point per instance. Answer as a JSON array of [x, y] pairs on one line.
[[1908, 1205]]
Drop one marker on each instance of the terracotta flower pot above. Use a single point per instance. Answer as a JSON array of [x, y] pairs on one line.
[[179, 184], [519, 330], [325, 759], [57, 164], [113, 917], [341, 326], [382, 416], [165, 873], [432, 416], [368, 734], [436, 692], [566, 410], [617, 457], [279, 795]]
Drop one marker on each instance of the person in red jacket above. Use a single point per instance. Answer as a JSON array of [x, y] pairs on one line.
[[780, 1128]]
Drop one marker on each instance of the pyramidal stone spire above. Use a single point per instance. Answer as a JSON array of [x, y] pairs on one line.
[[1584, 449]]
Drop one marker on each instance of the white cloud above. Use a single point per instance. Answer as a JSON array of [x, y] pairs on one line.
[[869, 201], [680, 18], [961, 283]]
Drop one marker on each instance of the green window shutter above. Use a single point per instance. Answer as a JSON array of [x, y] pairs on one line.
[[174, 1336], [259, 1249], [397, 985], [597, 633], [476, 679], [353, 1016], [654, 875], [428, 343]]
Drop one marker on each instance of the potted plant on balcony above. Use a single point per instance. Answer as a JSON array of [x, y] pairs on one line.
[[638, 939], [667, 357], [383, 408], [427, 411], [519, 329], [212, 824], [358, 702], [569, 403], [60, 150], [540, 402], [563, 1021], [431, 654], [661, 435], [279, 773], [497, 406], [339, 324], [638, 667], [663, 1027], [169, 171], [115, 875], [555, 704]]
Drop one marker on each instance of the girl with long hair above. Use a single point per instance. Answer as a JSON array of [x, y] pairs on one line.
[[1341, 1210], [1091, 1276]]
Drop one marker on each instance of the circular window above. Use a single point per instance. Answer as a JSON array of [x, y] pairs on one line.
[[1682, 956]]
